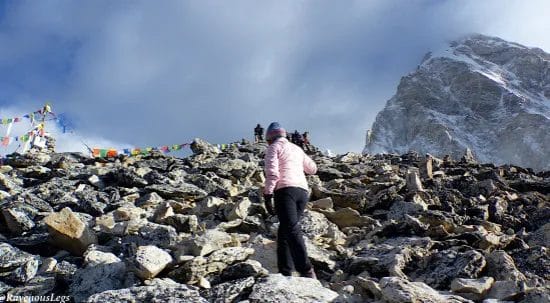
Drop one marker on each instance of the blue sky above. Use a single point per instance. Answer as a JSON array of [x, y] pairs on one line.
[[148, 73]]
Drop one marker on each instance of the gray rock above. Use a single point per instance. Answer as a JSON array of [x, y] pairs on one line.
[[248, 268], [537, 295], [439, 269], [232, 291], [541, 236], [200, 267], [129, 178], [94, 279], [17, 220], [278, 288], [183, 223], [150, 261], [265, 252], [37, 286], [17, 265], [385, 259], [155, 294], [156, 234], [353, 198], [178, 191], [399, 209], [325, 203], [4, 287], [96, 181], [468, 156], [413, 181], [150, 201], [65, 271], [25, 272], [506, 290], [316, 225], [239, 210], [48, 265], [320, 258], [208, 242], [96, 255], [501, 266], [475, 286], [399, 290], [208, 205]]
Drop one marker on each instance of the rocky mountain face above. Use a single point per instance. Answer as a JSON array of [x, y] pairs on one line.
[[481, 93], [382, 228]]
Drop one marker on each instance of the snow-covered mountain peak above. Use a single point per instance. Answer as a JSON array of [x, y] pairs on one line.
[[480, 92]]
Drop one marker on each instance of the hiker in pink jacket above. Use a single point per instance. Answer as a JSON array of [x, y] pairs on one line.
[[285, 164]]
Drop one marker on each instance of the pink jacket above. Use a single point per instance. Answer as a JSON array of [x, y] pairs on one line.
[[285, 164]]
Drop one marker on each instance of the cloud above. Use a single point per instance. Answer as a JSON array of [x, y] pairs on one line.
[[158, 73]]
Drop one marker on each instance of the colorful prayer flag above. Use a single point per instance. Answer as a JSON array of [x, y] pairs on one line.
[[112, 153]]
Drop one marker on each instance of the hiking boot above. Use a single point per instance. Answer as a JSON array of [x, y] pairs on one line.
[[309, 274]]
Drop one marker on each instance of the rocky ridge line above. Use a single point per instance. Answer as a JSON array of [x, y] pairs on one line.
[[382, 228]]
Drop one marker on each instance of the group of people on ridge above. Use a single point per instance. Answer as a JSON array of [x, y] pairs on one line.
[[301, 140]]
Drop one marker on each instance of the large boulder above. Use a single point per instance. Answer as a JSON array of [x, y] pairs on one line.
[[265, 252], [277, 288], [176, 293], [399, 290], [439, 269], [98, 278], [474, 289], [69, 232], [501, 266], [150, 260], [208, 242]]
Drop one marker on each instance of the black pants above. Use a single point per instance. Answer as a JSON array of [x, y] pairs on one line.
[[291, 250]]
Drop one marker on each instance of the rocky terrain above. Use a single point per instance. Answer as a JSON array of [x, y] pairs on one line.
[[482, 93], [379, 228]]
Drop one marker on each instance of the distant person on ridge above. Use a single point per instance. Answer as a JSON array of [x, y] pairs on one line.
[[305, 137], [285, 165], [294, 137], [258, 133], [297, 139]]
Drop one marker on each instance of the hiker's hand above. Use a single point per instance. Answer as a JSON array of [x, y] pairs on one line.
[[268, 200]]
